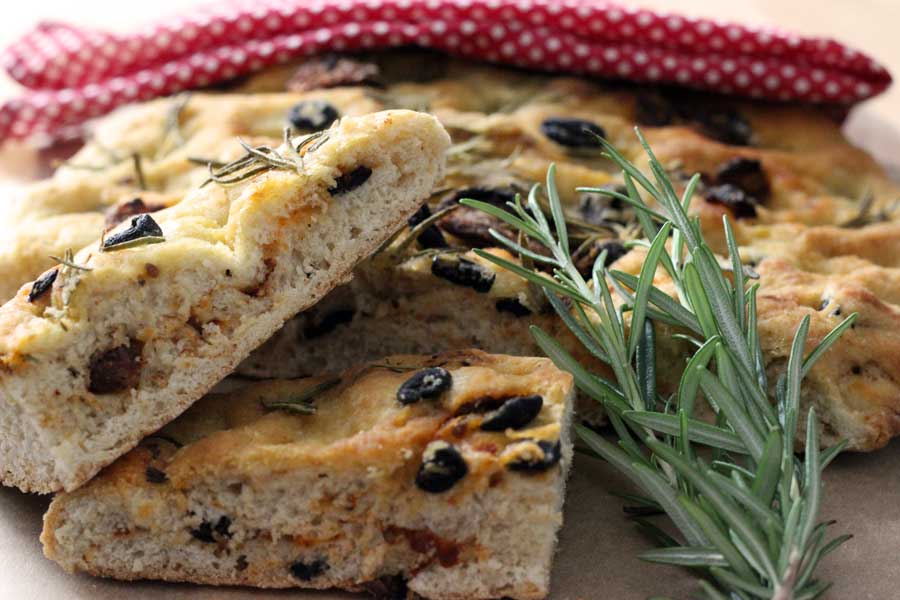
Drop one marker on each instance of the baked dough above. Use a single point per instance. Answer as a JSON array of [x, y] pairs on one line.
[[92, 360], [451, 488]]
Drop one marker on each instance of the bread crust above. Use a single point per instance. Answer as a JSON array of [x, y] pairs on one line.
[[335, 498], [109, 354]]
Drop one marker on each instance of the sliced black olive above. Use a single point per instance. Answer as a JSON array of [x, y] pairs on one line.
[[725, 124], [136, 206], [515, 413], [462, 271], [585, 256], [432, 236], [427, 383], [204, 533], [308, 571], [223, 526], [143, 228], [551, 452], [312, 115], [442, 466], [389, 587], [598, 209], [512, 306], [350, 181], [746, 174], [154, 475], [42, 284], [332, 70], [573, 133], [328, 323], [653, 110], [734, 198], [471, 225]]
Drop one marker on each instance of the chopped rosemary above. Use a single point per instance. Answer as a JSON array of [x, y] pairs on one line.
[[138, 170], [302, 403], [68, 260], [746, 513], [262, 159]]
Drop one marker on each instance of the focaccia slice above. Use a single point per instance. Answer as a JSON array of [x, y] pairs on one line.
[[443, 475], [127, 334]]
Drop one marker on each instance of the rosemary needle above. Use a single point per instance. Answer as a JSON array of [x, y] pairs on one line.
[[748, 519]]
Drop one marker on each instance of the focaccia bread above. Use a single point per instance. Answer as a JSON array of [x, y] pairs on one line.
[[441, 475], [127, 333], [141, 158], [828, 273]]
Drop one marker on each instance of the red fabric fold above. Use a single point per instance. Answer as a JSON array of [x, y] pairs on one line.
[[73, 74]]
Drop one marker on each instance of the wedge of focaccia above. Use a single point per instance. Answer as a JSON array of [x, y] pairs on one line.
[[133, 329], [444, 475]]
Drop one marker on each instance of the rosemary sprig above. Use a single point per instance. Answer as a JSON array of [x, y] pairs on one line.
[[301, 403], [747, 512], [261, 159]]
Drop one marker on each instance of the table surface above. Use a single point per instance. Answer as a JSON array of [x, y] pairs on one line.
[[598, 548]]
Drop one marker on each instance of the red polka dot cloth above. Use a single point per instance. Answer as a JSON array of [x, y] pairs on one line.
[[73, 74]]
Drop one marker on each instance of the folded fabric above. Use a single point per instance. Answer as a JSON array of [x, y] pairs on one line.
[[74, 74]]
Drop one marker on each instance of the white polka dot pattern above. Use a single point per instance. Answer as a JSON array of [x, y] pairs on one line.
[[74, 74]]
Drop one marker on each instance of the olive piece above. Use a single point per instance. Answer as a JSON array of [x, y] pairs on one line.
[[512, 306], [442, 466], [733, 198], [117, 369], [432, 236], [42, 284], [154, 475], [312, 115], [514, 413], [427, 383], [142, 226], [462, 271], [328, 323], [746, 174], [573, 133], [308, 571], [350, 181], [551, 452], [653, 110], [726, 125], [585, 257]]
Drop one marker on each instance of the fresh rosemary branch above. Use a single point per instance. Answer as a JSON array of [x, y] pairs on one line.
[[746, 510]]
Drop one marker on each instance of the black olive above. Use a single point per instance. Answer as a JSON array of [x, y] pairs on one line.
[[427, 383], [142, 226], [442, 466], [204, 533], [308, 571], [136, 206], [653, 110], [598, 209], [312, 115], [585, 257], [512, 306], [42, 284], [734, 198], [222, 526], [551, 453], [573, 133], [350, 181], [389, 587], [725, 124], [515, 413], [461, 271], [432, 236], [328, 323], [154, 475], [747, 174]]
